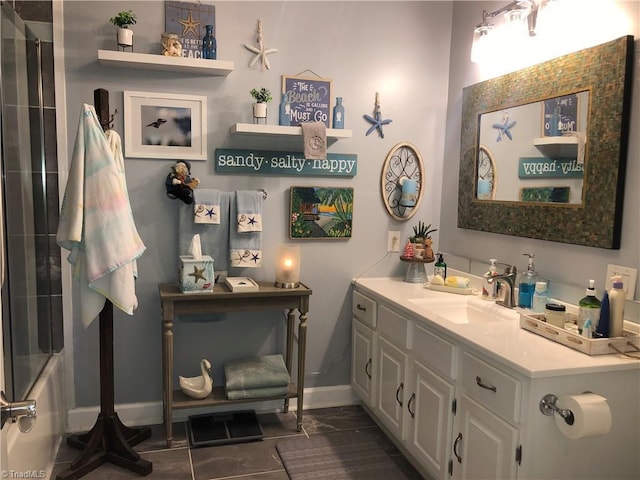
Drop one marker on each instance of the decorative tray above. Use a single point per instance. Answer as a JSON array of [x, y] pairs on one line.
[[448, 289], [536, 323]]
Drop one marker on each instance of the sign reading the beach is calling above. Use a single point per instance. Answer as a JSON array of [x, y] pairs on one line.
[[231, 160], [309, 99]]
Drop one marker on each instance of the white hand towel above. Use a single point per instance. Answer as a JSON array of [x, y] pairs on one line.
[[96, 223], [245, 248], [206, 208], [314, 136]]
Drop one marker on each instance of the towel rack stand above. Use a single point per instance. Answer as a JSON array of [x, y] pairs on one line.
[[109, 440]]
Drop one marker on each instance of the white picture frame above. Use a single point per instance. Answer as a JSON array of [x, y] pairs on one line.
[[165, 126]]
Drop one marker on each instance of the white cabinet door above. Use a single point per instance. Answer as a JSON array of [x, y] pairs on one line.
[[392, 365], [430, 419], [485, 445], [362, 362]]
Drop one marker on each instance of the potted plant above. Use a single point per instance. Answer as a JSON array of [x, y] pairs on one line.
[[122, 20], [422, 241], [262, 97]]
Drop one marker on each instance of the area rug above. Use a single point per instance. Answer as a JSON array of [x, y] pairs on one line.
[[348, 455]]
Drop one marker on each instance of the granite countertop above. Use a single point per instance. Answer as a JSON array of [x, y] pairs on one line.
[[505, 341]]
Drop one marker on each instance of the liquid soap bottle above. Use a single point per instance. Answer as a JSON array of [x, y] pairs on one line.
[[440, 268], [616, 307], [490, 289], [527, 284], [589, 308]]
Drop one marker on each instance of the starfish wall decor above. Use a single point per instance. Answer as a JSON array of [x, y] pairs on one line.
[[260, 51], [376, 121]]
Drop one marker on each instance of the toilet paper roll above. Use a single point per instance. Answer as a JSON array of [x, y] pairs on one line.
[[591, 413]]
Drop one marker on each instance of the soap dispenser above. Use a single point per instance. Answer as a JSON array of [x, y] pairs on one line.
[[589, 307], [527, 283], [440, 268], [490, 289]]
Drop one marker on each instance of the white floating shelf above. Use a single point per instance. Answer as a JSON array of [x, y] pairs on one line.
[[146, 61], [565, 147], [278, 130]]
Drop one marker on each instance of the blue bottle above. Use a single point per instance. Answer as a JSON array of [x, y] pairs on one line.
[[527, 284], [602, 330], [285, 111], [209, 44], [338, 114]]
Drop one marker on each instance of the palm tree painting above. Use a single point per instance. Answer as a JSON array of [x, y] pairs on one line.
[[321, 212]]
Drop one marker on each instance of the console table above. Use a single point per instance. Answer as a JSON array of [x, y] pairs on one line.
[[222, 300]]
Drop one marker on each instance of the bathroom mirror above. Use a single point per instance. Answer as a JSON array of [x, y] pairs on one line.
[[583, 205]]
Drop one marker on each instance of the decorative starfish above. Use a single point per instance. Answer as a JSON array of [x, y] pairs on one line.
[[503, 128], [210, 212], [189, 25], [255, 257], [197, 274], [252, 220], [260, 51], [376, 121]]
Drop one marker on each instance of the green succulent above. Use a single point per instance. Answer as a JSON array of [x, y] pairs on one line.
[[421, 231], [124, 19], [261, 96]]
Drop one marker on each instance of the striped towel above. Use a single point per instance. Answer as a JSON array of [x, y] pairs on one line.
[[96, 223]]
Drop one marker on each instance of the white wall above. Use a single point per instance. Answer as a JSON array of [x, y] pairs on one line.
[[400, 49], [591, 23]]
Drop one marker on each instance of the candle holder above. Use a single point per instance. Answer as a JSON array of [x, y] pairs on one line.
[[288, 267]]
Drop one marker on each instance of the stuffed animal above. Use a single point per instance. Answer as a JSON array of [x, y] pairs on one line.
[[179, 183]]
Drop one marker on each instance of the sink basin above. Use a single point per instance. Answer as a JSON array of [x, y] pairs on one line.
[[464, 310]]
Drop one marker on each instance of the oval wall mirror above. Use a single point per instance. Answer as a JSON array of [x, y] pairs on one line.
[[402, 181]]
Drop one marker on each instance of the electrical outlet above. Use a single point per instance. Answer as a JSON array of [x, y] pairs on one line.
[[393, 241], [629, 277]]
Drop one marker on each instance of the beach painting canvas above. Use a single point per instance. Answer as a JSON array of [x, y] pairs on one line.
[[321, 213]]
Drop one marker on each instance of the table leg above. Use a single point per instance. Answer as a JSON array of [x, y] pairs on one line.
[[167, 368], [291, 317], [302, 343]]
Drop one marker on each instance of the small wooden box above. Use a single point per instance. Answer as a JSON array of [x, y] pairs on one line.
[[196, 275], [629, 342]]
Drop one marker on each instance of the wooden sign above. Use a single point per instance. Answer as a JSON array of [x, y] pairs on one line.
[[309, 98], [231, 160], [544, 167]]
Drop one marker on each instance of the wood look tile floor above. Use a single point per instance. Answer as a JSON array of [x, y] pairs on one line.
[[256, 460]]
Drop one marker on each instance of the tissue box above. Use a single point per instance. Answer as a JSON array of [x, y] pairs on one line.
[[196, 275]]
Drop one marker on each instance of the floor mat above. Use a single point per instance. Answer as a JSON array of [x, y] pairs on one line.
[[347, 455]]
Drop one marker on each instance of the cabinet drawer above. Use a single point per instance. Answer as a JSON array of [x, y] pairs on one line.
[[434, 351], [394, 327], [498, 391], [364, 309]]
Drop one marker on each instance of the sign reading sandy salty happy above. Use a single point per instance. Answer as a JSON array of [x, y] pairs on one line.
[[263, 162]]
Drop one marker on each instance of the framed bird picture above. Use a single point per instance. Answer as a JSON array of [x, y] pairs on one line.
[[165, 126]]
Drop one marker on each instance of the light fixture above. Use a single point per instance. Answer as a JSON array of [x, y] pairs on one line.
[[514, 13], [288, 266]]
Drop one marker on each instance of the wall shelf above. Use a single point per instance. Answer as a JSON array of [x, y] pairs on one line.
[[282, 131], [146, 61], [557, 147]]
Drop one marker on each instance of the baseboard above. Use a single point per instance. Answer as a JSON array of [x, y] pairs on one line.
[[150, 413]]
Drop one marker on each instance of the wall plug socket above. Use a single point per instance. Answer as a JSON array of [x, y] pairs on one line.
[[393, 241]]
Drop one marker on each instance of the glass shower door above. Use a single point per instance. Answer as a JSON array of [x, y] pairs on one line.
[[26, 314]]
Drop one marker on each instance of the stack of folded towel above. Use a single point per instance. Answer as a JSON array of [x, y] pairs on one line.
[[256, 377]]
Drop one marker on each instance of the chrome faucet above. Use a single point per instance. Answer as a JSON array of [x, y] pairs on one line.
[[507, 285]]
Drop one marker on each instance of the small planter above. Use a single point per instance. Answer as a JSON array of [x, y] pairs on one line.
[[125, 38], [259, 112]]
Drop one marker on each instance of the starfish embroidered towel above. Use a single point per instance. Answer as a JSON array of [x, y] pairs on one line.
[[245, 247], [214, 238], [249, 211], [96, 222], [314, 137], [206, 208]]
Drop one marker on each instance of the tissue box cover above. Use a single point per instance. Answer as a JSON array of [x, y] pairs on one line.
[[196, 275]]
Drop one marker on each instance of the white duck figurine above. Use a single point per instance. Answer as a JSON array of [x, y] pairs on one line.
[[198, 387]]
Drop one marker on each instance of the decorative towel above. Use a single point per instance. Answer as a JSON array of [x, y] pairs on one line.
[[206, 208], [245, 249], [257, 392], [314, 136], [249, 211], [214, 239], [256, 372], [96, 223]]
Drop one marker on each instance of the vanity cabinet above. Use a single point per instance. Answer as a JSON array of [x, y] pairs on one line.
[[461, 401]]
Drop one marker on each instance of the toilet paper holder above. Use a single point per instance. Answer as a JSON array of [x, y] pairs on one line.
[[548, 407]]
